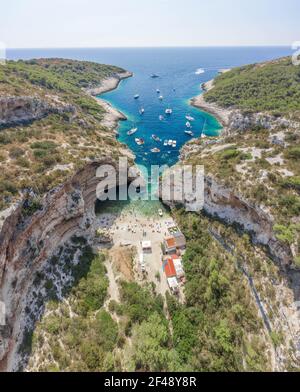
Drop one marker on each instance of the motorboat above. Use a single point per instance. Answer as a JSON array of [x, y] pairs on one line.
[[174, 143], [188, 124], [160, 212], [203, 136], [136, 96], [142, 111], [190, 118], [161, 97], [170, 142], [165, 143], [139, 141], [155, 150], [158, 91], [154, 76], [168, 111], [161, 118], [156, 138], [190, 133], [132, 131]]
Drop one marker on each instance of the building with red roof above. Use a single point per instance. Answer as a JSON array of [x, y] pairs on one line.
[[169, 268]]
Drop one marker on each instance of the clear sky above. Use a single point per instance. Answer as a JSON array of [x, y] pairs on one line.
[[106, 23]]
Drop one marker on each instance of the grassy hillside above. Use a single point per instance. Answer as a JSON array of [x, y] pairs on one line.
[[41, 154], [272, 86]]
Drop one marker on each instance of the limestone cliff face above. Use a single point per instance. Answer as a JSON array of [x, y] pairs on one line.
[[20, 110], [223, 204], [26, 243]]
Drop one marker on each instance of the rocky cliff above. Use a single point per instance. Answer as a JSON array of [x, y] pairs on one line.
[[27, 242], [16, 110], [224, 204]]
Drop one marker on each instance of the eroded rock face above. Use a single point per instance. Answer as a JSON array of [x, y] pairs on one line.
[[26, 243], [222, 203], [20, 110]]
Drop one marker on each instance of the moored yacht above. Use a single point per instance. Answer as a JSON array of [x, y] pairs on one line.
[[156, 138], [190, 118], [190, 133], [139, 141], [132, 131], [188, 124], [142, 111], [155, 150], [169, 111]]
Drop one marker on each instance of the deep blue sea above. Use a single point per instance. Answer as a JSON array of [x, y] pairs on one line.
[[181, 72]]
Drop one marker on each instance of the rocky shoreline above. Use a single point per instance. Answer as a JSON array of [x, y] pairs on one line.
[[112, 116], [221, 114]]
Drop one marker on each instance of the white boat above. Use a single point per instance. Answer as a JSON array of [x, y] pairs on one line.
[[160, 212], [203, 136], [158, 91], [165, 142], [142, 111], [161, 118], [139, 141], [190, 118], [155, 150], [174, 143], [190, 133], [132, 131], [170, 142], [169, 111], [136, 96], [188, 124], [161, 97], [156, 138]]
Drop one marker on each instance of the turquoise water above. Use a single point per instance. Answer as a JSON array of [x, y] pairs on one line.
[[178, 82], [177, 87]]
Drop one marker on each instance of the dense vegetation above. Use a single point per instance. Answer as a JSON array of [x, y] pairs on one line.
[[272, 86], [217, 329]]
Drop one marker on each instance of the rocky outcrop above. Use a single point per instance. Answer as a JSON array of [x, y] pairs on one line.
[[109, 83], [22, 110], [27, 242], [225, 205]]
